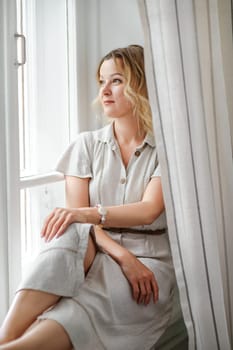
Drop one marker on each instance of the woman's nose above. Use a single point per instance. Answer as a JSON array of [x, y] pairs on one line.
[[106, 90]]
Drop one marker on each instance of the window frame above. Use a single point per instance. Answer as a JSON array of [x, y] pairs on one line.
[[4, 282], [50, 177], [10, 239]]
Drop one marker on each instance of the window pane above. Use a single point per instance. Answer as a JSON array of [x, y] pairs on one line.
[[44, 120], [36, 204], [47, 108]]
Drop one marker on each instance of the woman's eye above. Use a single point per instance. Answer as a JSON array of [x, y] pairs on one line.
[[117, 81], [101, 82]]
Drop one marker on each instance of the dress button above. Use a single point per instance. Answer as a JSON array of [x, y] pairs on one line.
[[123, 181], [137, 153]]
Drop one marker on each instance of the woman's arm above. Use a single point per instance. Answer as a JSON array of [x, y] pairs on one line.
[[143, 212], [77, 192], [141, 278], [139, 213], [77, 196]]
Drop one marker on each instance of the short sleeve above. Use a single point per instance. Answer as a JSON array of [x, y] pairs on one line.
[[76, 160], [157, 171]]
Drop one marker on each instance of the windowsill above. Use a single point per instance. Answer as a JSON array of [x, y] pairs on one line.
[[41, 179]]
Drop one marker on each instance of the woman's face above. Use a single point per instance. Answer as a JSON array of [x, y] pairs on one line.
[[111, 93]]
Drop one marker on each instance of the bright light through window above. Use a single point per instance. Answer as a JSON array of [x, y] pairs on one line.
[[44, 90], [44, 109]]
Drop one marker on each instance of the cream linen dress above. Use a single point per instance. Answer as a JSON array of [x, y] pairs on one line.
[[98, 311]]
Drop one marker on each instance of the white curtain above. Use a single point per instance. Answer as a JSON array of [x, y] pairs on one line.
[[190, 86]]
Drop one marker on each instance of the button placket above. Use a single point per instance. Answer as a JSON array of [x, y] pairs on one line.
[[123, 177], [122, 183], [123, 180]]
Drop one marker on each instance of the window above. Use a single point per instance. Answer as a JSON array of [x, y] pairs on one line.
[[47, 110]]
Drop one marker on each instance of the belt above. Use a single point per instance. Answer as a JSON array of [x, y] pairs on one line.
[[132, 230]]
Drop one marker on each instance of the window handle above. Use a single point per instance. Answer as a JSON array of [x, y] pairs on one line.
[[21, 49]]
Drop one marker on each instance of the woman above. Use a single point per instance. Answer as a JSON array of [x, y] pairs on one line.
[[107, 269]]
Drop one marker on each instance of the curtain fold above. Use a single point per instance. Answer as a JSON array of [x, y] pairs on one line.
[[186, 78]]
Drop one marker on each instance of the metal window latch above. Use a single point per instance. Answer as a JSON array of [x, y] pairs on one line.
[[21, 49]]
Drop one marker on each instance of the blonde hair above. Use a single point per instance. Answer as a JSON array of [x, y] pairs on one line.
[[132, 59]]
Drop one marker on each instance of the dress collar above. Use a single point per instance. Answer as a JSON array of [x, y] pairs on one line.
[[106, 135]]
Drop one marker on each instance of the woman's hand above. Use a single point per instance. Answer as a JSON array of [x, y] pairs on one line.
[[58, 221], [142, 280]]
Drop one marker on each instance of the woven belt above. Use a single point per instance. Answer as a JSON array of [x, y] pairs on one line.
[[131, 230]]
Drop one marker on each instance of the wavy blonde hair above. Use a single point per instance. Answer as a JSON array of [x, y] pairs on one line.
[[132, 60]]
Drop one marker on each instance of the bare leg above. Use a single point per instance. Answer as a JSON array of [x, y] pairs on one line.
[[26, 307], [90, 254], [47, 335], [29, 304]]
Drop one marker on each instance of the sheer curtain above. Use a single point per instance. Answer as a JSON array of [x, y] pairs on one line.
[[190, 85]]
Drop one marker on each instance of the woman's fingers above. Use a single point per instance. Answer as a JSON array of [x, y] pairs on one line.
[[144, 289], [44, 228], [63, 227], [136, 291], [148, 292], [56, 223], [147, 289], [53, 228], [52, 225], [155, 290], [143, 292], [141, 278]]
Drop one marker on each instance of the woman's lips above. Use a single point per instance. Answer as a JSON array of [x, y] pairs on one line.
[[107, 102]]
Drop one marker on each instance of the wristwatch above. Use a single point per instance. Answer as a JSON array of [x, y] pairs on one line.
[[103, 212]]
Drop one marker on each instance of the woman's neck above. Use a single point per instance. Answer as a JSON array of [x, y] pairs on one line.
[[127, 131]]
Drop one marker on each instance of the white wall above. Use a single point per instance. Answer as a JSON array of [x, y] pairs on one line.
[[120, 24]]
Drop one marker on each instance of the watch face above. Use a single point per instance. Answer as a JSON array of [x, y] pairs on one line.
[[102, 211]]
